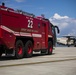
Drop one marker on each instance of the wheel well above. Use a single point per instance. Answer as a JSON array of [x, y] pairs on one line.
[[25, 39]]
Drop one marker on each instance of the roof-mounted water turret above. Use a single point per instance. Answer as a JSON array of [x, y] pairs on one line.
[[3, 4]]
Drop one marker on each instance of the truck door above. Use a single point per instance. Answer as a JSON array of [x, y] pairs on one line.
[[43, 35]]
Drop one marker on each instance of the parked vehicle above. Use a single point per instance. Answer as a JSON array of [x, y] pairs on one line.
[[21, 33]]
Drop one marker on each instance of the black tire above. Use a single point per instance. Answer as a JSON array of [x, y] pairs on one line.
[[28, 49], [19, 49], [50, 48], [68, 45], [75, 44], [0, 53]]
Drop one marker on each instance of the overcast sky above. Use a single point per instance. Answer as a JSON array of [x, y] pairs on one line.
[[60, 12]]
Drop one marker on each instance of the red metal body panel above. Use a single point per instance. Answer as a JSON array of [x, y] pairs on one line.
[[13, 24]]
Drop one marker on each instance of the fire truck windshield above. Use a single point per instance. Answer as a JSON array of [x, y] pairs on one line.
[[54, 33]]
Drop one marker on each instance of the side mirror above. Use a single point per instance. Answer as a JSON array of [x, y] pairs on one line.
[[58, 31]]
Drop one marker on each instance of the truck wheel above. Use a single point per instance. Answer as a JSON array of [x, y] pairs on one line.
[[28, 49], [75, 44], [19, 49], [50, 48], [0, 53]]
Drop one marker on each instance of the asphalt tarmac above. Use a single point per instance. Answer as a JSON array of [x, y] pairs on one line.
[[61, 62]]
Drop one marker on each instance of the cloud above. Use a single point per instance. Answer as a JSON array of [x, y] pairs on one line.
[[67, 25], [20, 0], [57, 16]]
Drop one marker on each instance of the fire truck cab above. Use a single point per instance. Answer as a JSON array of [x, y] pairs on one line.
[[21, 33]]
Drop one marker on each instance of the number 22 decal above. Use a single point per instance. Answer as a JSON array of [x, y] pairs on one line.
[[30, 24]]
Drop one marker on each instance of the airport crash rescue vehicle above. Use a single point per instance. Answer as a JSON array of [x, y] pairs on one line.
[[21, 33]]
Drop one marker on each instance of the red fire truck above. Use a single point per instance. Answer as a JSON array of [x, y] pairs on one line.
[[21, 33]]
